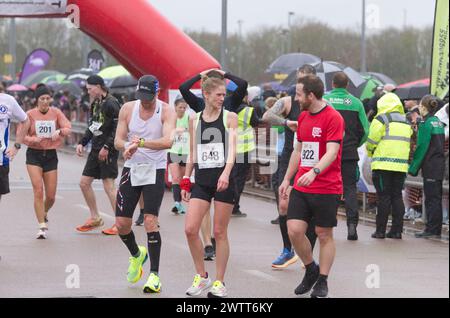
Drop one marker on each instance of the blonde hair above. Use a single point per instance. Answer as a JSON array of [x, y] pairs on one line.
[[211, 84]]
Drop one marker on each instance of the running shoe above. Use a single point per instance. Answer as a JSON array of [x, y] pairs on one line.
[[218, 290], [199, 285], [286, 258], [42, 234], [135, 269], [209, 253], [91, 224], [111, 231], [181, 209], [153, 284], [239, 214], [140, 220], [309, 280], [176, 208], [320, 289]]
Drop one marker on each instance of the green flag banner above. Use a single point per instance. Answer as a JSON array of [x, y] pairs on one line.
[[440, 55]]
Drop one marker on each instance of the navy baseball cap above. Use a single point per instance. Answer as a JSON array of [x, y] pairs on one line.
[[147, 88]]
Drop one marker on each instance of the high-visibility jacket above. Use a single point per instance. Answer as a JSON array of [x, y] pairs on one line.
[[246, 133], [389, 137]]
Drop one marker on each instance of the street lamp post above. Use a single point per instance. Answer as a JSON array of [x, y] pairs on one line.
[[363, 38], [12, 48], [240, 48], [223, 40], [290, 15]]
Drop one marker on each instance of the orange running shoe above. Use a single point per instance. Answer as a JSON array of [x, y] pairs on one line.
[[111, 231], [91, 224]]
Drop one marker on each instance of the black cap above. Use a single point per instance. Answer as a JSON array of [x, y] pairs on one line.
[[147, 88], [41, 89], [95, 80]]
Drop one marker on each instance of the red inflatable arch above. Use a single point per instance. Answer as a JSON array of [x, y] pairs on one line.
[[142, 40]]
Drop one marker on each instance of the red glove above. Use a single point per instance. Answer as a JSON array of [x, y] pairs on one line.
[[186, 184]]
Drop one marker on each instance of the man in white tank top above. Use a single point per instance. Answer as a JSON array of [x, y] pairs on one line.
[[144, 133]]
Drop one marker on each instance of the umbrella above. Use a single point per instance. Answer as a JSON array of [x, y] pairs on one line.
[[371, 84], [384, 79], [57, 78], [326, 70], [415, 92], [37, 77], [17, 88], [113, 72], [424, 81], [71, 87], [79, 76], [123, 81], [287, 63]]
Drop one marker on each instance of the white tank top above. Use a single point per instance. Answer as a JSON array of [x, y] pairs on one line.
[[150, 129]]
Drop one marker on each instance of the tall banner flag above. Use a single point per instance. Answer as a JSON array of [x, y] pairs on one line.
[[35, 61], [440, 55], [95, 60]]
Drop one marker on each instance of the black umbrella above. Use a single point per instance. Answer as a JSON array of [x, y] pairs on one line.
[[123, 82], [79, 76], [415, 92], [287, 63], [383, 78], [71, 87]]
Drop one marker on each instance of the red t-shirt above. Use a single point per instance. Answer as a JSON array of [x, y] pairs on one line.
[[314, 132]]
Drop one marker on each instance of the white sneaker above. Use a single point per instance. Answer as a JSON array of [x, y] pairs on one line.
[[199, 285], [42, 234], [218, 290]]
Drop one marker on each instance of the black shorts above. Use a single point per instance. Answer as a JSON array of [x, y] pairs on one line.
[[176, 158], [4, 180], [100, 169], [45, 159], [206, 193], [128, 196], [322, 207]]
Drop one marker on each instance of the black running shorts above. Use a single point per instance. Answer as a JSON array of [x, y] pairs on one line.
[[176, 158], [45, 159], [4, 180], [208, 193], [97, 169], [128, 196], [322, 207]]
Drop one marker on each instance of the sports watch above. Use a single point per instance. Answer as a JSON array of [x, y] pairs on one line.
[[316, 171]]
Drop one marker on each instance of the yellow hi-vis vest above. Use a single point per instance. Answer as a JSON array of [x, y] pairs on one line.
[[246, 133]]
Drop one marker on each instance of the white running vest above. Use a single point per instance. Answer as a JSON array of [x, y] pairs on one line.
[[150, 129]]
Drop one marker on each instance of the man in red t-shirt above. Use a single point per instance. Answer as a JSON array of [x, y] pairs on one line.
[[316, 161]]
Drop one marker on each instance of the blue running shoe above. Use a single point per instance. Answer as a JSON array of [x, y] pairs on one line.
[[286, 258]]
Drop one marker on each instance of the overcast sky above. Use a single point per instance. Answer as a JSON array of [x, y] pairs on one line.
[[206, 14]]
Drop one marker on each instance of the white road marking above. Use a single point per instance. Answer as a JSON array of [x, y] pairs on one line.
[[262, 275], [85, 207]]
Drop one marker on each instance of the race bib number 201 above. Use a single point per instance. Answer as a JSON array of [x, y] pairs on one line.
[[310, 154], [45, 129]]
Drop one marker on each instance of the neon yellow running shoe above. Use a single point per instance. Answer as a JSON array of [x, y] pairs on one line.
[[135, 269], [153, 284]]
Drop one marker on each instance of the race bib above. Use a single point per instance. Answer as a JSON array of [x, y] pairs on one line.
[[45, 128], [211, 155], [181, 140], [95, 128], [310, 154], [143, 174]]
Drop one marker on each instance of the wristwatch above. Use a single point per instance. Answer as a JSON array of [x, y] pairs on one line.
[[316, 171], [17, 146]]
